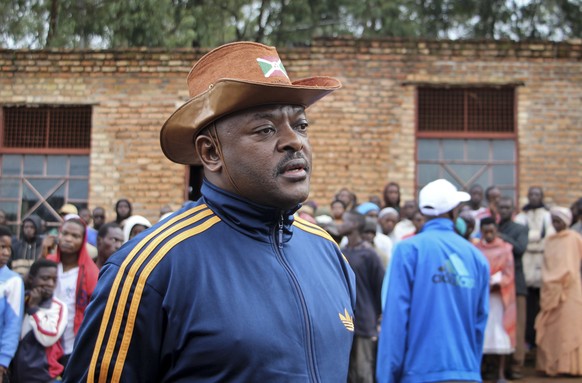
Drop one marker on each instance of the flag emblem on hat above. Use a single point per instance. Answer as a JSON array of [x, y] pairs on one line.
[[272, 67]]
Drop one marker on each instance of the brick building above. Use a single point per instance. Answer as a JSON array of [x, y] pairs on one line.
[[83, 126]]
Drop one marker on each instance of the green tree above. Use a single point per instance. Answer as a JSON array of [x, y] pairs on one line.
[[183, 23], [22, 23]]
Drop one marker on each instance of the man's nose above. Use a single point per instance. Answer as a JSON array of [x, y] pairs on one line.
[[290, 139]]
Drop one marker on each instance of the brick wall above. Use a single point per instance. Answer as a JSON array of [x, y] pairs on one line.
[[132, 93], [375, 111], [363, 135]]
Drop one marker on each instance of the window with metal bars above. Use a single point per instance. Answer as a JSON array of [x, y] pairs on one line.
[[44, 160], [46, 127], [485, 110], [467, 135]]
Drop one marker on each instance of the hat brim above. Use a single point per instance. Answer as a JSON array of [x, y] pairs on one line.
[[229, 96]]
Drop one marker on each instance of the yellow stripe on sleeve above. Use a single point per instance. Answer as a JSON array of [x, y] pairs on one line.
[[135, 301], [305, 222], [127, 284], [313, 229], [115, 287]]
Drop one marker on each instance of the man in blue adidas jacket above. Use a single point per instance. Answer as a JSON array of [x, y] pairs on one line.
[[437, 299], [231, 288]]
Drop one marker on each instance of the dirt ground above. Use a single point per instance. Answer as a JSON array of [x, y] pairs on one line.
[[530, 375]]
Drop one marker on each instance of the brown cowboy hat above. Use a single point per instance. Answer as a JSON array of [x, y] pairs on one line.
[[228, 79]]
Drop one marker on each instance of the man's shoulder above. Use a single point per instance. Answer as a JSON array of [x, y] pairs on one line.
[[10, 276], [467, 248], [463, 246], [312, 231], [11, 284], [410, 247], [416, 240], [190, 223], [512, 226], [478, 255], [468, 245]]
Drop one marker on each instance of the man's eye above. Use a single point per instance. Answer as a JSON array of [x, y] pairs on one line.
[[302, 127], [266, 130]]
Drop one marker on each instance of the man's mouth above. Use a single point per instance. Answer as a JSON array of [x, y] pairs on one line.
[[295, 169]]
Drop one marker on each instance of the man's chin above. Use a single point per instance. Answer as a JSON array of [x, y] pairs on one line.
[[292, 199]]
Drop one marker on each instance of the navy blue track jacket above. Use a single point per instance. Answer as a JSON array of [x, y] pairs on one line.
[[223, 290]]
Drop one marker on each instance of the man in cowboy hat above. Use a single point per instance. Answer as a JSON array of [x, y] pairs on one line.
[[437, 299], [231, 287]]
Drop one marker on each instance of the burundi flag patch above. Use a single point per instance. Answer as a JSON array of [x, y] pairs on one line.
[[272, 66]]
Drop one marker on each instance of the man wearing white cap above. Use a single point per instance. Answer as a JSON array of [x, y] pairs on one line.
[[437, 299]]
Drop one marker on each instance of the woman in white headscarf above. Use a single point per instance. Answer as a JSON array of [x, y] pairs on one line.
[[558, 326], [134, 225]]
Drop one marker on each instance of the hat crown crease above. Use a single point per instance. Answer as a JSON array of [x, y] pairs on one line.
[[236, 61]]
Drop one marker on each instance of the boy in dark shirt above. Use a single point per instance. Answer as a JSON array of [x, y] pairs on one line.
[[45, 319], [369, 276]]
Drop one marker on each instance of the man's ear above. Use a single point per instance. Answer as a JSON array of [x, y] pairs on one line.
[[209, 156]]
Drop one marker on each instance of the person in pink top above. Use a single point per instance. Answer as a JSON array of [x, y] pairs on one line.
[[500, 330]]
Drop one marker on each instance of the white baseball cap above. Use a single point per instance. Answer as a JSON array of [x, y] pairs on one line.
[[439, 197]]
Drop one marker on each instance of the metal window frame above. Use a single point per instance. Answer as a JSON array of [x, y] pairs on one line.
[[467, 135], [466, 132], [24, 180], [46, 149], [46, 152]]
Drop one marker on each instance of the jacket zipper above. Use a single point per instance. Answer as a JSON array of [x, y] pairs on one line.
[[279, 253]]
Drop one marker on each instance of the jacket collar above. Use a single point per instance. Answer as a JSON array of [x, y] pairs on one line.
[[257, 221], [438, 224]]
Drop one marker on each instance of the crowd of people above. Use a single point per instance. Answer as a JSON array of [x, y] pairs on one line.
[[48, 277], [535, 301], [248, 284], [534, 256]]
